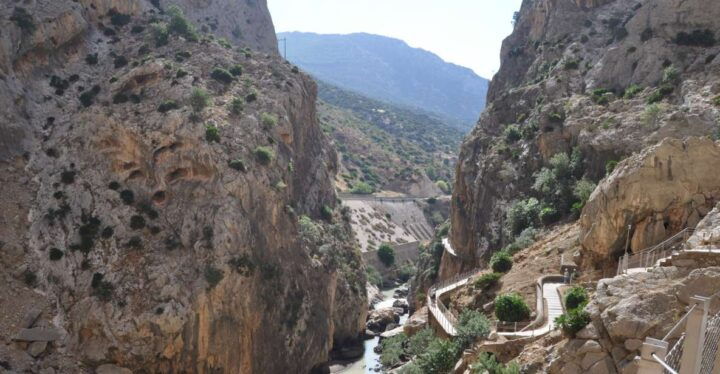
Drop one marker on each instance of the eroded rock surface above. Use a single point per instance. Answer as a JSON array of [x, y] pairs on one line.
[[658, 192], [559, 70], [155, 236]]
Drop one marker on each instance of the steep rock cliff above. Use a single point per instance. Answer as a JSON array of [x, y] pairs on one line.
[[657, 192], [607, 78], [144, 230]]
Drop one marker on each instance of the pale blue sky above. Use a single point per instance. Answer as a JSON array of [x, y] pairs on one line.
[[465, 32]]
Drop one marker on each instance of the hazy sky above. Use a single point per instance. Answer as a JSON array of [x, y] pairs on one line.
[[465, 32]]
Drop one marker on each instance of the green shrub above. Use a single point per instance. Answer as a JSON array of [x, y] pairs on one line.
[[511, 308], [697, 38], [29, 277], [160, 34], [571, 64], [573, 321], [101, 288], [199, 99], [91, 59], [405, 272], [127, 197], [522, 241], [167, 106], [268, 120], [137, 222], [512, 133], [523, 214], [583, 189], [632, 91], [213, 276], [326, 213], [238, 165], [56, 254], [549, 215], [181, 74], [120, 98], [236, 70], [87, 98], [180, 25], [439, 357], [252, 96], [373, 276], [487, 364], [236, 106], [716, 101], [651, 115], [444, 230], [23, 20], [264, 155], [443, 186], [501, 262], [224, 43], [418, 343], [610, 166], [212, 133], [670, 75], [393, 350], [362, 188], [118, 19], [576, 297], [472, 325], [386, 254], [221, 75]]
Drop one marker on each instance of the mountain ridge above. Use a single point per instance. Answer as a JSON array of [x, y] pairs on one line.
[[388, 69]]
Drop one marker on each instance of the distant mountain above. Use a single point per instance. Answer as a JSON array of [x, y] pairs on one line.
[[389, 70]]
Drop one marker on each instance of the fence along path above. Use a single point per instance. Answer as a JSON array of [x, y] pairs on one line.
[[548, 298]]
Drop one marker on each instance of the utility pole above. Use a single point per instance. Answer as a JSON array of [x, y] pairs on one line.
[[284, 42]]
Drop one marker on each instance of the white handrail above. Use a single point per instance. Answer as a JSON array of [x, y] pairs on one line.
[[661, 362]]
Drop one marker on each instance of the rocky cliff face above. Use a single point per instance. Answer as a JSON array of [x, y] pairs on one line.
[[150, 228], [607, 78], [657, 192]]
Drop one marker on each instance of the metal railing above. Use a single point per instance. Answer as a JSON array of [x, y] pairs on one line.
[[695, 351], [650, 256], [435, 305]]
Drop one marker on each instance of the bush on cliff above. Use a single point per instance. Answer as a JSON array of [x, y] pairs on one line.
[[511, 308], [472, 325], [386, 254], [576, 297], [573, 321], [501, 262]]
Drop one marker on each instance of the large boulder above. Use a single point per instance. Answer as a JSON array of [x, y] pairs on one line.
[[657, 192], [379, 319]]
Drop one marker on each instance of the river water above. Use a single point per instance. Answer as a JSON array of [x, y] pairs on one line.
[[370, 362]]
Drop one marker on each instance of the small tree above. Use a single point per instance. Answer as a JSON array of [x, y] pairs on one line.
[[180, 25], [222, 75], [199, 99], [386, 254], [487, 364], [501, 262], [212, 133], [472, 325], [511, 308], [264, 155], [573, 321], [487, 280], [440, 356], [576, 297]]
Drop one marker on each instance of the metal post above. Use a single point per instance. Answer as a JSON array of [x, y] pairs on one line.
[[647, 364], [695, 336]]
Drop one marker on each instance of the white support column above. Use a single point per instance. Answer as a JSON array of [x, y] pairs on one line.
[[695, 336], [647, 364]]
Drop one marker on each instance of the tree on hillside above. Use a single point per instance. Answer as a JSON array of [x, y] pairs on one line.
[[386, 254]]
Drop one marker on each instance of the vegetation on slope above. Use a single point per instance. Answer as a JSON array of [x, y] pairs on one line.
[[386, 147]]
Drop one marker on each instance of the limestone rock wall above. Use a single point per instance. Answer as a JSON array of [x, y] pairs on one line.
[[658, 192], [153, 236], [560, 67]]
